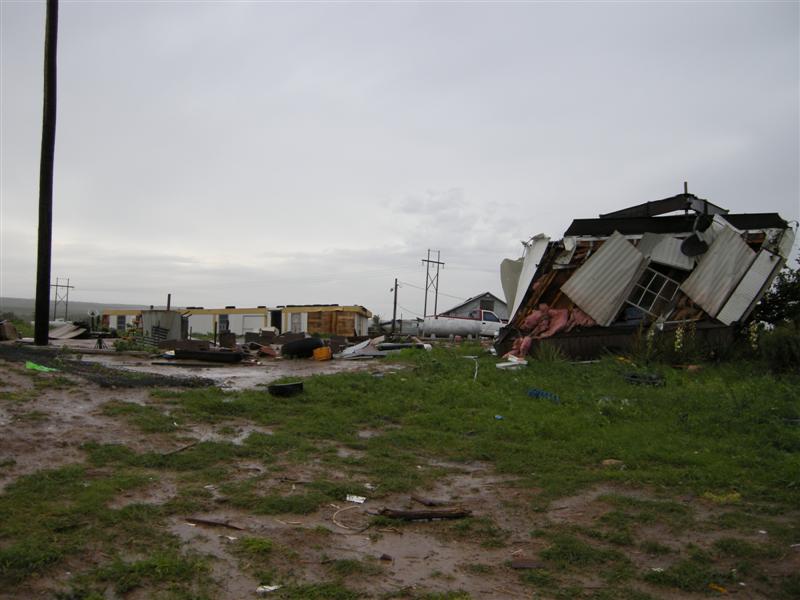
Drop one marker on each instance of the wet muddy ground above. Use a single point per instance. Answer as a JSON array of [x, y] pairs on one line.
[[46, 420]]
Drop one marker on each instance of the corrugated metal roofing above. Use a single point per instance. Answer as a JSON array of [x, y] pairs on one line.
[[758, 277], [601, 284], [665, 250], [719, 272]]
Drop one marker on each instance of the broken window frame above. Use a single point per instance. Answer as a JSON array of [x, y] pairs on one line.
[[654, 288]]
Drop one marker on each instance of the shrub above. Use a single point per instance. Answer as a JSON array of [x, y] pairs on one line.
[[781, 349]]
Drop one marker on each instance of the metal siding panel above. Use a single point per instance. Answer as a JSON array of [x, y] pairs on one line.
[[756, 280], [665, 250], [533, 254], [786, 243], [601, 284], [719, 271], [510, 270]]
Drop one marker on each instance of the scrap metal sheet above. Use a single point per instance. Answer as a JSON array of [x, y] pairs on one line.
[[510, 270], [665, 250], [533, 254], [601, 284], [757, 279], [719, 271]]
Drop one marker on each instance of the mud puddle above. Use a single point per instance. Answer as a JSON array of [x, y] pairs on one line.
[[238, 377]]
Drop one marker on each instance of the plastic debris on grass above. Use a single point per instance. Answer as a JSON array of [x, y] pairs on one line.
[[545, 395], [37, 367]]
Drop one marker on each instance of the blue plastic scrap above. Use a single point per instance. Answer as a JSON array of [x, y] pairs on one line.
[[498, 417], [536, 393]]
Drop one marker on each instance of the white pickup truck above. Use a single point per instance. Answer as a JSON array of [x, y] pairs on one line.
[[479, 323]]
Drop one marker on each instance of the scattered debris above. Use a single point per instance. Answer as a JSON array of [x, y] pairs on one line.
[[653, 379], [8, 331], [322, 353], [267, 351], [498, 417], [526, 563], [37, 367], [511, 365], [429, 501], [215, 356], [475, 375], [342, 525], [385, 557], [302, 348], [537, 393], [181, 449], [68, 331], [212, 523], [263, 590], [425, 515], [285, 389], [717, 588], [365, 350], [356, 499]]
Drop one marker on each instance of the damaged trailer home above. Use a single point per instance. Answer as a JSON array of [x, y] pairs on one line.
[[608, 277]]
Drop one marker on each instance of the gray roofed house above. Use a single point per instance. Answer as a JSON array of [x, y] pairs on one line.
[[484, 301]]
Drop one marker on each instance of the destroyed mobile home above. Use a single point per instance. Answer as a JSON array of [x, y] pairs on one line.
[[640, 267]]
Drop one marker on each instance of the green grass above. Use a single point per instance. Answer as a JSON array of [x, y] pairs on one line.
[[145, 418], [726, 432], [706, 432], [254, 548], [159, 568], [317, 591], [52, 514], [347, 567], [479, 529], [17, 396]]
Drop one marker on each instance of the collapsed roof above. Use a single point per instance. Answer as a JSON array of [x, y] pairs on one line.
[[640, 265]]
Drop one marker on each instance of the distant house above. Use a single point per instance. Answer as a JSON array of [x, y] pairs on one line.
[[121, 318], [202, 320], [230, 318], [326, 319], [485, 301]]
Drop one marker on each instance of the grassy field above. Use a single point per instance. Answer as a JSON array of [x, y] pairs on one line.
[[716, 451]]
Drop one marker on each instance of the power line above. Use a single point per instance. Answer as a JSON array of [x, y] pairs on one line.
[[440, 293], [416, 314]]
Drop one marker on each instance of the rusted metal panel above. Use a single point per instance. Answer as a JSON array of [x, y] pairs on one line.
[[750, 289], [719, 271], [601, 284]]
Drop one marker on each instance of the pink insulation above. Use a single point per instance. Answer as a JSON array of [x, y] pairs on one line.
[[559, 317], [545, 322], [525, 347], [578, 318]]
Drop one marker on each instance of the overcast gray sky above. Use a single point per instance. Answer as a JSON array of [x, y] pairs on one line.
[[270, 153]]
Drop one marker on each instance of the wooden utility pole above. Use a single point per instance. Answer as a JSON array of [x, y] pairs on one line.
[[394, 309], [41, 327]]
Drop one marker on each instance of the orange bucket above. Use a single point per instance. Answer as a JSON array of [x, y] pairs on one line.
[[323, 353]]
